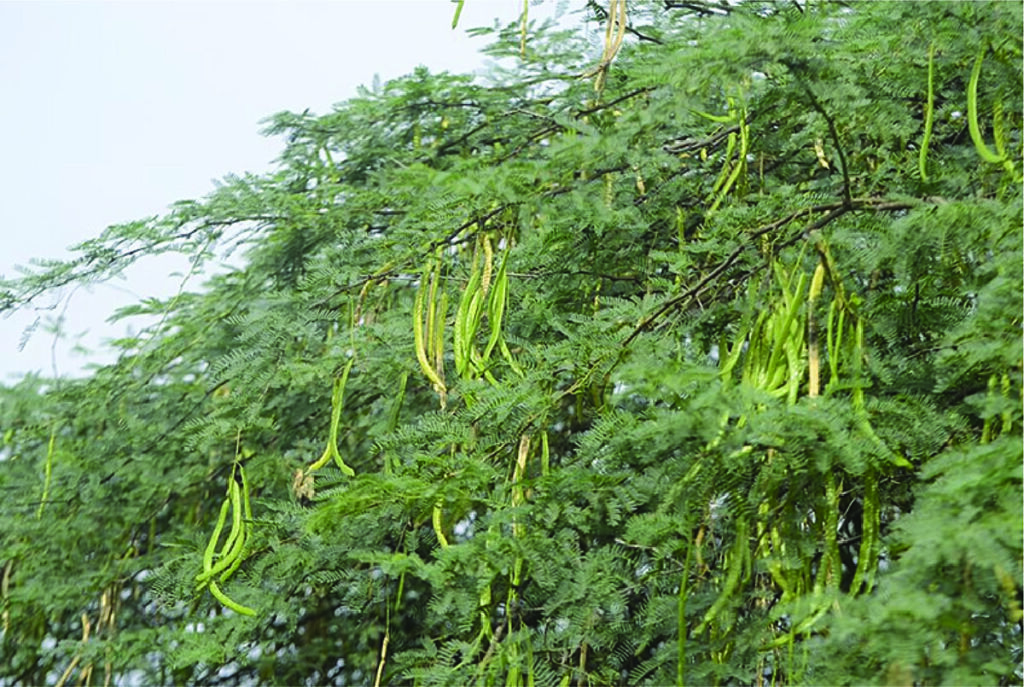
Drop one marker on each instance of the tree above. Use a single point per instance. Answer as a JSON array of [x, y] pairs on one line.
[[704, 368]]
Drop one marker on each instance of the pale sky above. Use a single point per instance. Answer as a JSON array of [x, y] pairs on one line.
[[114, 110]]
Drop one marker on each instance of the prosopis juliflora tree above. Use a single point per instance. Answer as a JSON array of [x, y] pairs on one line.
[[696, 365]]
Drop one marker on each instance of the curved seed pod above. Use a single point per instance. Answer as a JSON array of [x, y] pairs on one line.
[[337, 402], [496, 304], [721, 119], [730, 146], [212, 545], [459, 337], [232, 549], [972, 113], [774, 557], [799, 628], [785, 325], [228, 602], [507, 355], [867, 559], [830, 566], [817, 283], [438, 343], [236, 562], [431, 300], [435, 520], [396, 407], [755, 360], [324, 458], [331, 450], [837, 323], [465, 323], [476, 308], [237, 523], [485, 277], [929, 115], [247, 515], [545, 453], [1005, 417], [737, 169], [458, 11], [737, 562], [813, 349], [48, 472], [230, 559], [245, 493], [420, 341]]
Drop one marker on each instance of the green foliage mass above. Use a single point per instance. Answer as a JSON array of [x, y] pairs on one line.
[[708, 372]]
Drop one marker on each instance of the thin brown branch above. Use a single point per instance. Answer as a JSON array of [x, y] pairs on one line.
[[613, 103], [834, 133]]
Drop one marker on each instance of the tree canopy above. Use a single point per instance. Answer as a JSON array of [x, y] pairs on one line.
[[691, 355]]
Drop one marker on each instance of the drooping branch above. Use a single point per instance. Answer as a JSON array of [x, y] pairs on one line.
[[834, 133]]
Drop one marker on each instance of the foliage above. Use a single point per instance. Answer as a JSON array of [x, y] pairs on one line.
[[704, 368]]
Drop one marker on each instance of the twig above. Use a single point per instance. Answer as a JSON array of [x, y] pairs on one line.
[[816, 104]]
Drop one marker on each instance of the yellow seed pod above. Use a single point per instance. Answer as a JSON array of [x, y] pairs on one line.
[[485, 281], [819, 152], [817, 283]]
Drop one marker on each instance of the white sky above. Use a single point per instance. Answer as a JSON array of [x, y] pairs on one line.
[[114, 110]]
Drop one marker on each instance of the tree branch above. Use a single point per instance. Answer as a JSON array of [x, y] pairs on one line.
[[816, 104], [833, 211]]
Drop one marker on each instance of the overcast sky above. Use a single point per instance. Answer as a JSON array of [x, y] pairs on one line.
[[114, 110]]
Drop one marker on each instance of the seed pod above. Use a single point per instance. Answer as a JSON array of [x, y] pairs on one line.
[[227, 601]]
